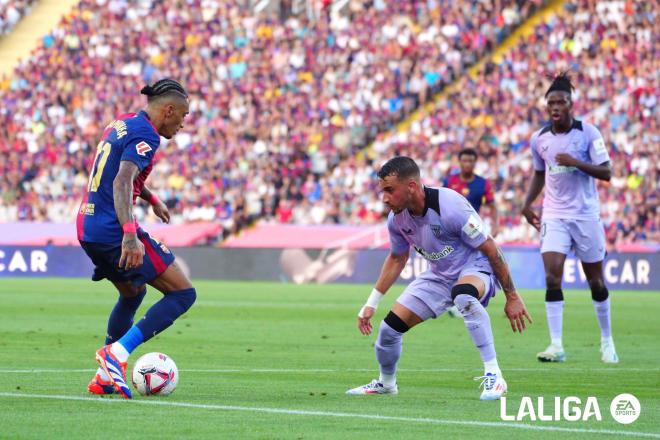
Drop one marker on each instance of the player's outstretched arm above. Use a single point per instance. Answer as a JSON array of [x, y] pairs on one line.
[[132, 250], [160, 208], [392, 267], [538, 181], [515, 307]]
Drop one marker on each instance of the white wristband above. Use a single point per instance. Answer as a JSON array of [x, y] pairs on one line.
[[372, 301]]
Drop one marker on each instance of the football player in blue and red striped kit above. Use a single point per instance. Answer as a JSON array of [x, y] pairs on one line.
[[123, 252], [477, 190]]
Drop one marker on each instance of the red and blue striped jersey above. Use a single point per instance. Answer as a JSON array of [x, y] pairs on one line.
[[478, 191], [130, 137]]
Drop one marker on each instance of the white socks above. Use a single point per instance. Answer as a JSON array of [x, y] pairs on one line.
[[491, 366], [388, 380], [604, 321], [555, 312], [119, 351]]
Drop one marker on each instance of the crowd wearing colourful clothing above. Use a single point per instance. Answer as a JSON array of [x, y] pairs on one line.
[[281, 107], [613, 56], [271, 102], [11, 12]]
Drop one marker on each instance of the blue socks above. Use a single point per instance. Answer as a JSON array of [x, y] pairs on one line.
[[163, 314], [160, 316], [131, 339], [121, 317]]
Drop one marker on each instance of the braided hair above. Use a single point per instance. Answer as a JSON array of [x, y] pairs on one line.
[[561, 82], [162, 88]]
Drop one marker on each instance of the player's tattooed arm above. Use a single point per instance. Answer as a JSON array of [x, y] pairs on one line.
[[515, 307], [122, 191], [499, 265], [132, 250]]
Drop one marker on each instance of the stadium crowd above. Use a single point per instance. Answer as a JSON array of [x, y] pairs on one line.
[[611, 50], [11, 12], [280, 108], [272, 100]]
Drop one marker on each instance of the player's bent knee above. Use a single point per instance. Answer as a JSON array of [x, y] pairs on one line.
[[552, 281], [189, 296], [396, 323], [464, 289], [599, 292]]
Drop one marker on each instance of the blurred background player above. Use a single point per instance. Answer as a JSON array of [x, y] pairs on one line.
[[569, 155], [465, 267], [123, 252], [476, 190]]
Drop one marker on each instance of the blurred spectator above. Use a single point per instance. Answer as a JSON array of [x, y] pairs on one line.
[[11, 12]]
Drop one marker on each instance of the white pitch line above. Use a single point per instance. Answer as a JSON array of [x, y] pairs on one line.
[[338, 370], [300, 412]]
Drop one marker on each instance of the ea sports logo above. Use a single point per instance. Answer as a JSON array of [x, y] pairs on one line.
[[625, 408]]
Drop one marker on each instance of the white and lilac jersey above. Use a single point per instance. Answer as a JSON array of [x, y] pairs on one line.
[[447, 234], [569, 192]]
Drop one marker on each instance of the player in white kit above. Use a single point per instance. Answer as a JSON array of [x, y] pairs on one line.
[[465, 267], [569, 155]]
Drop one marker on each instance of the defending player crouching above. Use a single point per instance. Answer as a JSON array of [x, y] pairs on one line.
[[465, 268]]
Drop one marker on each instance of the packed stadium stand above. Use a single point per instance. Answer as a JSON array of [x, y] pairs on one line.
[[11, 12], [284, 105]]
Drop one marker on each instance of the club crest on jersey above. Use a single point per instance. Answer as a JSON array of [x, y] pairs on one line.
[[142, 148], [436, 230]]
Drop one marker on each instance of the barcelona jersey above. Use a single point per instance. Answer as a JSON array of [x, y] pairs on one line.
[[130, 137], [477, 191]]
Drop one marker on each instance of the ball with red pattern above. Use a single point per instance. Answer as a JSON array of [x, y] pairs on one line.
[[155, 374]]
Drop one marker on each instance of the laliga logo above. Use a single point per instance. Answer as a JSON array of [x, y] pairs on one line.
[[625, 409], [569, 409]]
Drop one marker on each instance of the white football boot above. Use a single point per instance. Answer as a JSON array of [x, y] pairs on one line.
[[494, 386], [374, 387], [553, 353], [609, 355]]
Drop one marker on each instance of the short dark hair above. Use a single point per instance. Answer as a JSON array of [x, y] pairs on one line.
[[400, 166], [468, 152], [561, 82], [164, 87]]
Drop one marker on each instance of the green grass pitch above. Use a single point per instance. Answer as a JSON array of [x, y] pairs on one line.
[[262, 360]]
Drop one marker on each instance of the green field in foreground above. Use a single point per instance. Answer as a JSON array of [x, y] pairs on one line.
[[266, 360]]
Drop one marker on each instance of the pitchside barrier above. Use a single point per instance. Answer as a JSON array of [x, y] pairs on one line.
[[631, 271]]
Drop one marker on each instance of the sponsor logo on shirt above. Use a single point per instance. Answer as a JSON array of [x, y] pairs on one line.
[[560, 169], [473, 227], [142, 148], [87, 209], [434, 256]]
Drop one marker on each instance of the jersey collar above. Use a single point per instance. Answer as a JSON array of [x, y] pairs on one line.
[[145, 115]]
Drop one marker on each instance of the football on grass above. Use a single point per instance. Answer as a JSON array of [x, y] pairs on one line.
[[155, 374]]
